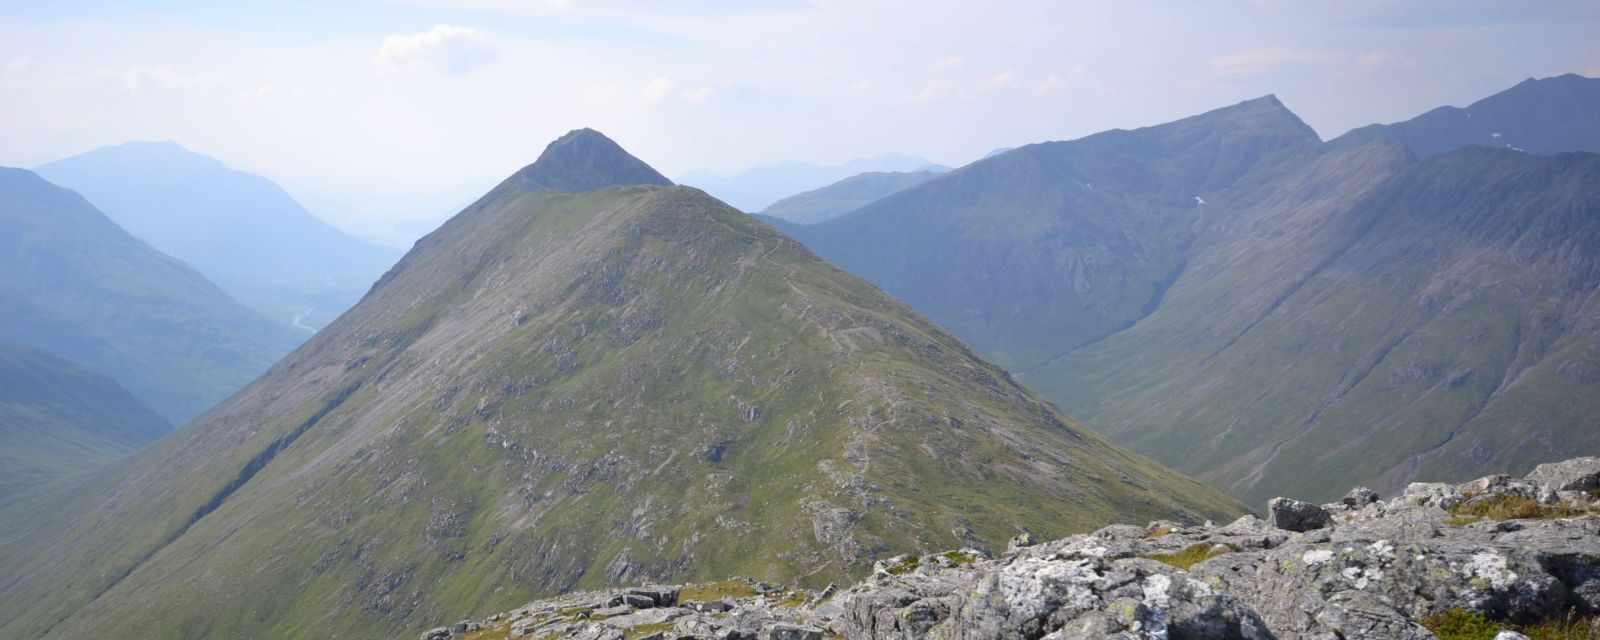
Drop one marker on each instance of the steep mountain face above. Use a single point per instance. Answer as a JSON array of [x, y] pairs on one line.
[[1546, 115], [564, 389], [844, 196], [76, 285], [57, 420], [757, 188], [1355, 327], [239, 229], [1042, 249], [1276, 314]]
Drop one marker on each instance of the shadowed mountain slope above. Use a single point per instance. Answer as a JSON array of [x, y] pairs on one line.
[[1373, 320], [558, 390], [844, 196], [241, 230], [1545, 115], [1268, 312], [1045, 248], [758, 187], [59, 420], [76, 285]]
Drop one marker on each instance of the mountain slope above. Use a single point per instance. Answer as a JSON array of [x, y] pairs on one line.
[[1044, 248], [559, 390], [757, 188], [239, 229], [844, 196], [77, 286], [1546, 115], [1434, 319], [57, 420]]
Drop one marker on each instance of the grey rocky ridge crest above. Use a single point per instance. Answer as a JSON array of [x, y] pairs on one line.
[[1501, 550]]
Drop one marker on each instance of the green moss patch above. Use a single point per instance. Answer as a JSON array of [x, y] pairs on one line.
[[1509, 507], [1192, 555]]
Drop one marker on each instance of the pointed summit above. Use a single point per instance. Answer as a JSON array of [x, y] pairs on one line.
[[558, 391], [586, 160]]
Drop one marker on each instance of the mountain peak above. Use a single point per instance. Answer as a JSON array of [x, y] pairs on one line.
[[586, 160]]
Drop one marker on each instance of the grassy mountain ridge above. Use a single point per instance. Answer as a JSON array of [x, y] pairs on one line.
[[844, 196], [1036, 251], [758, 187], [558, 390], [79, 287], [1273, 313], [1438, 324], [57, 420], [1543, 115]]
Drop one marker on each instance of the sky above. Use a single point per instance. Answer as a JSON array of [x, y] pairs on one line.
[[382, 115]]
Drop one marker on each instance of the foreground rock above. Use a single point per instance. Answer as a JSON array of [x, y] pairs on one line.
[[1363, 568]]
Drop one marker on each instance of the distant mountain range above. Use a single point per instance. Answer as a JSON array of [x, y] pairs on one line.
[[239, 229], [844, 196], [1546, 115], [587, 377], [75, 285], [1380, 320], [1236, 298], [757, 188], [1033, 252], [58, 420]]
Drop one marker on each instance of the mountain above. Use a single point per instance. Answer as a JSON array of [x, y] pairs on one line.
[[757, 188], [239, 229], [76, 285], [844, 196], [57, 420], [1050, 246], [1282, 314], [566, 389], [1368, 318], [1546, 115], [996, 151]]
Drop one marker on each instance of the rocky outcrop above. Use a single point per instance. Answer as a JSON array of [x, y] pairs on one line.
[[1362, 568]]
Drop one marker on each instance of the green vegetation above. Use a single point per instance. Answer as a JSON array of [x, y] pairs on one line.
[[1458, 624], [646, 630], [1341, 336], [904, 565], [59, 420], [1192, 555], [713, 591], [959, 558], [557, 389], [1510, 507], [500, 631]]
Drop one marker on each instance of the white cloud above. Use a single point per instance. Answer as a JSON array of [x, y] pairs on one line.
[[947, 63], [657, 89], [1057, 84], [529, 7], [164, 77], [454, 50], [936, 89], [863, 86], [697, 95], [1002, 80], [1251, 62]]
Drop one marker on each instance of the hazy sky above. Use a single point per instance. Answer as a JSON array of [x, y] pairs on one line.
[[377, 111]]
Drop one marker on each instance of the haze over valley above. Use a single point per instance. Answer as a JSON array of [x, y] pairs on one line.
[[1031, 321]]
